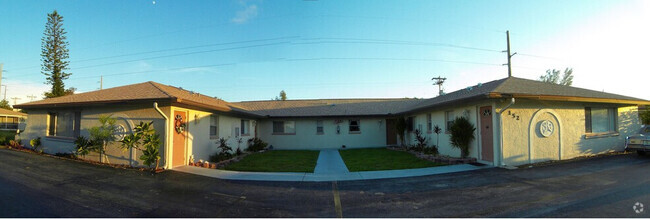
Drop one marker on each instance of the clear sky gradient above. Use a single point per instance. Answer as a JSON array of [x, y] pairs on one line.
[[250, 50]]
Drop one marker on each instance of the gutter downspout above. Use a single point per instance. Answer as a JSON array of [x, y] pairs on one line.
[[166, 142], [512, 102]]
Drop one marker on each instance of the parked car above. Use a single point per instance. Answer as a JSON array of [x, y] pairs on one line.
[[639, 142]]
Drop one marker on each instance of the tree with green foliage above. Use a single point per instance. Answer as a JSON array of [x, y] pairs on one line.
[[645, 117], [400, 127], [100, 137], [54, 54], [4, 104], [437, 130], [461, 135], [553, 76], [282, 97], [144, 139]]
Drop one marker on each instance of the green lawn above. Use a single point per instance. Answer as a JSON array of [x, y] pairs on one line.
[[277, 161], [382, 159]]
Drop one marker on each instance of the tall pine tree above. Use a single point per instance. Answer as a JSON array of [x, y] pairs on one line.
[[54, 54]]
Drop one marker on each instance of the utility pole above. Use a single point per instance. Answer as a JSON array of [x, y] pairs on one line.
[[31, 97], [15, 98], [509, 55], [101, 82], [5, 98], [439, 81]]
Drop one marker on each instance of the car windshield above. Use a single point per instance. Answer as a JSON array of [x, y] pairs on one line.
[[645, 130]]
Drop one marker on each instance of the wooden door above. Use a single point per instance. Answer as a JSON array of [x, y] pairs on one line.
[[487, 135], [178, 154], [391, 133]]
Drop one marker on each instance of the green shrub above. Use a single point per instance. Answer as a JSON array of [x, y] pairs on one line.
[[225, 151], [145, 139], [462, 134], [420, 141], [645, 117], [35, 143], [256, 144], [6, 136]]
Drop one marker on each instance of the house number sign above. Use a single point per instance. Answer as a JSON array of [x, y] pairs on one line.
[[546, 128]]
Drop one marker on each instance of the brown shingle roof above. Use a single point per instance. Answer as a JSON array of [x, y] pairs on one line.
[[329, 107], [138, 92], [11, 112], [513, 86]]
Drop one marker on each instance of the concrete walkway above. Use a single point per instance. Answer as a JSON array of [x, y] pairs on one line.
[[330, 162], [329, 167]]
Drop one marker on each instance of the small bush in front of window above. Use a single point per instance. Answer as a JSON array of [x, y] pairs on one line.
[[462, 134], [225, 151], [256, 144]]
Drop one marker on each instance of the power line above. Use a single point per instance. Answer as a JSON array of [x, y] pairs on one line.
[[391, 59], [393, 42], [174, 55], [282, 60], [172, 49]]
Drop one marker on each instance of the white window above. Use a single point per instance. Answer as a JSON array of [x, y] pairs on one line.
[[410, 124], [214, 126], [319, 127], [355, 126], [429, 123], [284, 127], [64, 124], [245, 127], [449, 118], [600, 120]]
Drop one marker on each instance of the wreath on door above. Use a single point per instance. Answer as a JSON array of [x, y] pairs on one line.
[[179, 125]]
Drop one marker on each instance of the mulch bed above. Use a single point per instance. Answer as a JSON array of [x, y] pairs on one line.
[[72, 157], [434, 158], [220, 164]]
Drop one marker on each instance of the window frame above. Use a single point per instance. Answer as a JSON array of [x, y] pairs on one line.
[[358, 126], [284, 127], [216, 126], [52, 130], [245, 127], [448, 121], [612, 122], [320, 128], [429, 123]]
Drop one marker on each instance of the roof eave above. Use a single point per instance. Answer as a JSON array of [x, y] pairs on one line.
[[86, 103], [225, 109], [445, 104], [571, 99]]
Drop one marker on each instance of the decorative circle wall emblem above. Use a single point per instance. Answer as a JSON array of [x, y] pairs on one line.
[[546, 128], [120, 132]]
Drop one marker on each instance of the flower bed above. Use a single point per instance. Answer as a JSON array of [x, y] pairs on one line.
[[436, 158], [220, 164]]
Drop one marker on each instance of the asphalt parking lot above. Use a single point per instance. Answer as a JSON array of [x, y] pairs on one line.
[[38, 186]]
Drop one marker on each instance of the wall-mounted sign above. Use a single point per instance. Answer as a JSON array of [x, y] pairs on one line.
[[546, 128]]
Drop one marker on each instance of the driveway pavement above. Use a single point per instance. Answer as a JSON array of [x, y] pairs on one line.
[[37, 186]]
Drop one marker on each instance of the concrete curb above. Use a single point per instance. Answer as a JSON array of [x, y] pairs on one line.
[[324, 177]]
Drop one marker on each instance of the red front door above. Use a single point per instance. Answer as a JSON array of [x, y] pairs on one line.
[[178, 154], [487, 150]]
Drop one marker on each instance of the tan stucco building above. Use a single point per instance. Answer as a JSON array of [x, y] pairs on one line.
[[518, 121]]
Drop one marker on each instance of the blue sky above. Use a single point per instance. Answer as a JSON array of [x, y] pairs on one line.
[[250, 50]]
